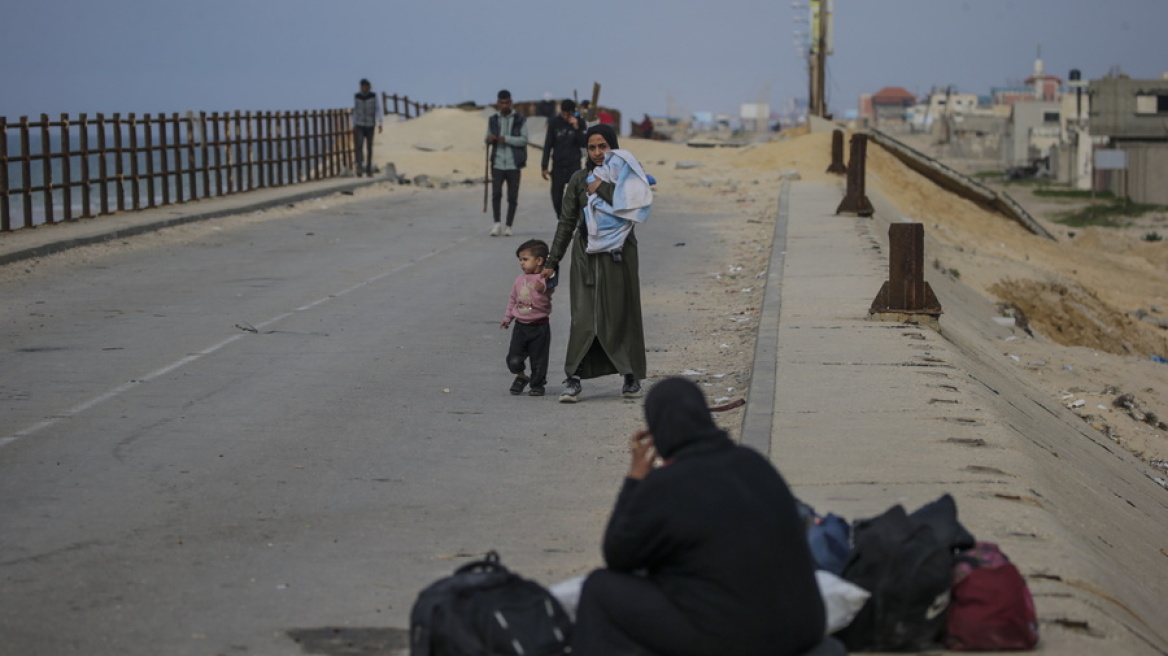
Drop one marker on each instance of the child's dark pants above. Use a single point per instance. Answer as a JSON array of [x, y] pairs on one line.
[[530, 340]]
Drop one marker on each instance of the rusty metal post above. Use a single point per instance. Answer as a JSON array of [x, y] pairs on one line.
[[837, 153], [855, 200], [906, 296]]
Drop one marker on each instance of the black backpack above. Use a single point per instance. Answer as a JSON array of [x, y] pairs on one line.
[[906, 562], [486, 610]]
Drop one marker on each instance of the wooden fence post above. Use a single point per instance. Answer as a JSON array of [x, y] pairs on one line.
[[132, 124], [5, 210], [47, 170], [119, 163], [66, 170], [83, 144], [148, 135]]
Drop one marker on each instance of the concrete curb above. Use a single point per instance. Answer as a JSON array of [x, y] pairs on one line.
[[757, 424], [237, 204]]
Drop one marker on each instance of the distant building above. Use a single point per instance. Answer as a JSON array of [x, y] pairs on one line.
[[1133, 117], [1047, 88], [941, 103], [941, 106], [1039, 86], [1010, 95], [866, 114], [888, 108], [1126, 109], [1070, 161], [1032, 130]]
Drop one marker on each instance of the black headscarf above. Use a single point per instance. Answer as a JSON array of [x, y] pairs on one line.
[[605, 130], [680, 420]]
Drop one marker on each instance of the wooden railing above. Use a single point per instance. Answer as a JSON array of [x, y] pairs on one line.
[[402, 106], [61, 170]]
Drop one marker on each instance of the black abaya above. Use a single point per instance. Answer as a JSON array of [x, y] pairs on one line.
[[705, 555]]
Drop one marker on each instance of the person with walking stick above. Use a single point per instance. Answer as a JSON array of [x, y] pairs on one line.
[[507, 142]]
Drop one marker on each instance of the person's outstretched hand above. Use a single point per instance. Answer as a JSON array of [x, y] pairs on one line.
[[643, 454]]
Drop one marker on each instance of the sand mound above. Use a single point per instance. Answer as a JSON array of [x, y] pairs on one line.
[[445, 143], [809, 154], [1072, 315]]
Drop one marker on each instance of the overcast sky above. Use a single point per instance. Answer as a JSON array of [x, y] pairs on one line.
[[654, 56]]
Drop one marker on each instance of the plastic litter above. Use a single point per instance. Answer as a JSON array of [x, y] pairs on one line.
[[568, 594], [841, 598]]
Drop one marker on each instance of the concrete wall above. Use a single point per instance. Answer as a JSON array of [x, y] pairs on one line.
[[1147, 169]]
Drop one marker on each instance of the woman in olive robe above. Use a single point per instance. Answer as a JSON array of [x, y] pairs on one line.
[[606, 335]]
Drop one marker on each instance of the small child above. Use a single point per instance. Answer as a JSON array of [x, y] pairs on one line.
[[530, 306]]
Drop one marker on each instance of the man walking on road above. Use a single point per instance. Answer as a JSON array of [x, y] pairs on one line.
[[565, 138], [366, 115], [507, 139]]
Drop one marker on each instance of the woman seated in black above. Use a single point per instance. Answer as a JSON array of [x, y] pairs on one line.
[[706, 553]]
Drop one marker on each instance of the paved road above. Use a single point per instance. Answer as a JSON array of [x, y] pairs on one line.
[[174, 484]]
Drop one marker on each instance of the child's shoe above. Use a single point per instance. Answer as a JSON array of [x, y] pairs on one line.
[[536, 390], [518, 384]]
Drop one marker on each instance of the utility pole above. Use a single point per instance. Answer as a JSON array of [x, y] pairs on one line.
[[821, 15]]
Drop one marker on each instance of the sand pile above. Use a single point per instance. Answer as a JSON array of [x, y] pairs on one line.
[[810, 155], [446, 143], [1071, 315]]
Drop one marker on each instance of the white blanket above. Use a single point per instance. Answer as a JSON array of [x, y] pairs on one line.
[[632, 198]]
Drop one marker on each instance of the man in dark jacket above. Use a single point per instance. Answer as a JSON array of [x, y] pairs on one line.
[[561, 146], [706, 554], [366, 116]]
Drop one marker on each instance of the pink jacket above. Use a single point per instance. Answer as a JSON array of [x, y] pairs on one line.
[[528, 304]]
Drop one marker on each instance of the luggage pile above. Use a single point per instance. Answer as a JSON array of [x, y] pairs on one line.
[[910, 582], [899, 581]]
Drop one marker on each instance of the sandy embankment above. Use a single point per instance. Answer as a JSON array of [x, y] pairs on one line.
[[1078, 295]]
